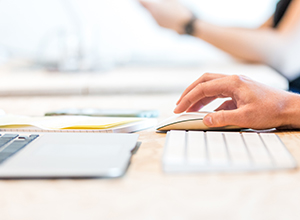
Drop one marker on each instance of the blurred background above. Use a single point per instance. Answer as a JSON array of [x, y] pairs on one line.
[[93, 35]]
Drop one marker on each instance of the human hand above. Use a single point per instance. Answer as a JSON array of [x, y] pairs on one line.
[[253, 105], [169, 14]]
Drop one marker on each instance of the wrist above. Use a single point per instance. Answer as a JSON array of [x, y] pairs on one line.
[[290, 115]]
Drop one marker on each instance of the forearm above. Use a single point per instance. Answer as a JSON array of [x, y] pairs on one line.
[[255, 45]]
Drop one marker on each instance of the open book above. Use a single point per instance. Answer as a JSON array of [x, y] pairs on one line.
[[74, 124]]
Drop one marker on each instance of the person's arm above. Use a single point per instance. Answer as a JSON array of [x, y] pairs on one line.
[[268, 23], [253, 105], [264, 45]]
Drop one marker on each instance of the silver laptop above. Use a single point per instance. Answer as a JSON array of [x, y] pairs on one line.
[[60, 155]]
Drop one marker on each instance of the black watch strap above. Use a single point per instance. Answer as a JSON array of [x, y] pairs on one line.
[[189, 28]]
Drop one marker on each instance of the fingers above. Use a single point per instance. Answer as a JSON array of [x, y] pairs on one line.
[[221, 87], [228, 105], [149, 4], [223, 118], [204, 78], [146, 4], [197, 106], [143, 3]]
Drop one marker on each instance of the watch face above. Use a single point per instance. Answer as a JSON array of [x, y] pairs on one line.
[[189, 27], [189, 30]]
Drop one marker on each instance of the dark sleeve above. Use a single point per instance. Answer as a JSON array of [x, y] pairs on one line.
[[281, 8]]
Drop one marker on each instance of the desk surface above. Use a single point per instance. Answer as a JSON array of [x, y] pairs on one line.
[[21, 79], [145, 192]]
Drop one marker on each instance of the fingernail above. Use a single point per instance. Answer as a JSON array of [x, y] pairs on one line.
[[208, 121]]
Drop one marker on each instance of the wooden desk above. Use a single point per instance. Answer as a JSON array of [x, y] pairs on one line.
[[145, 192]]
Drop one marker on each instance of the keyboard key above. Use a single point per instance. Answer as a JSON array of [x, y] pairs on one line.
[[237, 150], [217, 152], [175, 148], [196, 148], [277, 150], [259, 154], [15, 146], [6, 138]]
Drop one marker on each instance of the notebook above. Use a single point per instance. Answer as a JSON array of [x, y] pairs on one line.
[[16, 123]]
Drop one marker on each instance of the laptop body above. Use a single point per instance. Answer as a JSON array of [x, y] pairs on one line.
[[64, 155]]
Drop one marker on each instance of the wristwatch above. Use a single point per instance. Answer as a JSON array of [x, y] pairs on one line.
[[189, 27]]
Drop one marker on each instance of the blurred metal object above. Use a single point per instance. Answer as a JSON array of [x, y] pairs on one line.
[[73, 49]]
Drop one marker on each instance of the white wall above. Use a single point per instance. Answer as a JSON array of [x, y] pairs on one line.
[[106, 32]]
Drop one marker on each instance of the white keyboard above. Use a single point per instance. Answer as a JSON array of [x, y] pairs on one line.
[[198, 151]]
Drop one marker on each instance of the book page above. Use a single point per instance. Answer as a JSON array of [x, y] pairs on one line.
[[65, 122]]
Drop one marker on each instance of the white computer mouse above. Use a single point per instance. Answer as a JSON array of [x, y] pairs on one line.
[[189, 121]]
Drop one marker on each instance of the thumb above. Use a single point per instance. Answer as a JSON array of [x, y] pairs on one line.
[[222, 118], [145, 3]]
